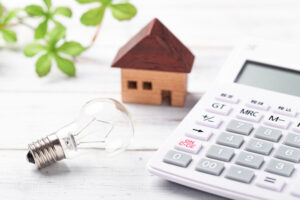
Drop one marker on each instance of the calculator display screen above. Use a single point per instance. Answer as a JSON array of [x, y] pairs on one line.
[[270, 77]]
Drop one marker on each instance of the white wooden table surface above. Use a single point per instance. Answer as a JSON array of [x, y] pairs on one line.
[[31, 107]]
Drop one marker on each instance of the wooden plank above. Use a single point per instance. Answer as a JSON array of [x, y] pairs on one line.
[[29, 116], [89, 176]]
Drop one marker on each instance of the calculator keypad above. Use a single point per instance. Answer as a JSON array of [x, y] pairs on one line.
[[209, 120], [240, 174], [269, 134], [288, 154], [177, 158], [230, 140], [277, 121], [220, 153], [249, 160], [240, 127], [292, 140], [259, 146], [242, 144], [210, 167], [280, 168]]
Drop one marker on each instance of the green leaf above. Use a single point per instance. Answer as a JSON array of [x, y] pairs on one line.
[[9, 36], [63, 11], [71, 48], [41, 30], [93, 17], [48, 3], [87, 1], [33, 49], [34, 10], [1, 10], [43, 65], [57, 33], [123, 11], [10, 15], [65, 65]]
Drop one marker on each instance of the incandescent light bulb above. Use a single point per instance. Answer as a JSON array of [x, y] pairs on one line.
[[102, 123]]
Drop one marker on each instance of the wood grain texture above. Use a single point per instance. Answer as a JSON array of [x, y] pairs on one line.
[[173, 83], [155, 48], [31, 107]]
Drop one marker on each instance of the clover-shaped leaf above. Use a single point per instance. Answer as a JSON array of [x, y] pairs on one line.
[[53, 51], [8, 35], [94, 16], [47, 14]]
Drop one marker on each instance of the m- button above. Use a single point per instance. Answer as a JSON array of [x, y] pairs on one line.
[[277, 121], [219, 108]]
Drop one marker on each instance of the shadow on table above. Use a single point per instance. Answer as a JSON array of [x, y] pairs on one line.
[[185, 192], [56, 169]]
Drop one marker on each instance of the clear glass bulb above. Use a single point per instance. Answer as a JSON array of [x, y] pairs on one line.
[[102, 123]]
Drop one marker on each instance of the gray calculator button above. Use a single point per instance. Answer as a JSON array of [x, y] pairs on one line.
[[259, 146], [240, 127], [249, 160], [231, 140], [210, 167], [292, 140], [268, 134], [288, 153], [177, 158], [280, 168], [220, 153], [240, 174]]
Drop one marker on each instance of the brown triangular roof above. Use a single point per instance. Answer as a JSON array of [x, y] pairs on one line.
[[155, 48]]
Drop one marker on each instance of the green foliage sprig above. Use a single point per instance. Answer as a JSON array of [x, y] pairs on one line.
[[50, 43]]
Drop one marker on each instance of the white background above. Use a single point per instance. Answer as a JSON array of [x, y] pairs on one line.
[[31, 107]]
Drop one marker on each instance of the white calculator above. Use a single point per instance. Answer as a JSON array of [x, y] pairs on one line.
[[242, 139]]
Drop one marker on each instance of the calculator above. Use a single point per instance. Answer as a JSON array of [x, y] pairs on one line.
[[242, 139]]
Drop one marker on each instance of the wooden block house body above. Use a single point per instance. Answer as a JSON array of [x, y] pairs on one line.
[[154, 66]]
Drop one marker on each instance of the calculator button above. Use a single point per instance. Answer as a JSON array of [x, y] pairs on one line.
[[209, 120], [249, 160], [199, 133], [177, 158], [239, 127], [277, 121], [296, 127], [219, 108], [240, 174], [288, 153], [231, 140], [188, 145], [270, 182], [259, 146], [210, 167], [220, 153], [258, 105], [292, 140], [269, 134], [280, 168], [284, 110], [229, 98], [249, 115]]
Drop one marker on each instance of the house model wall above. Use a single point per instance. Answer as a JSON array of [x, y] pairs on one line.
[[154, 66]]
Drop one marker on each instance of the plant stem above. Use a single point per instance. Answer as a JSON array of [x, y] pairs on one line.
[[95, 36]]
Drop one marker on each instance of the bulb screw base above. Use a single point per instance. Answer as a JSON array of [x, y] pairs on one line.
[[45, 151]]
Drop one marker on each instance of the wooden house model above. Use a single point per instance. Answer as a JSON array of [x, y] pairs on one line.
[[154, 66]]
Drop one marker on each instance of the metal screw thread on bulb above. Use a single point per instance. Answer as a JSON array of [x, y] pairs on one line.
[[45, 151]]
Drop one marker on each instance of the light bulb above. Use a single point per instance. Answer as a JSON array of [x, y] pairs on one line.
[[102, 123]]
